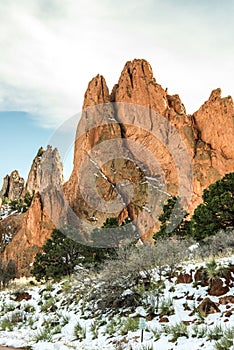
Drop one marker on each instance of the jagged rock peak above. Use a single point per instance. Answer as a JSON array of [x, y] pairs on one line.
[[134, 71], [216, 98], [215, 94], [214, 119], [137, 85], [176, 104], [96, 93], [46, 170], [138, 67], [13, 186]]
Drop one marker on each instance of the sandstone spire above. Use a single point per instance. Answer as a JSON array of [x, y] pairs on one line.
[[13, 186], [29, 231], [137, 85], [96, 93], [46, 170], [216, 124]]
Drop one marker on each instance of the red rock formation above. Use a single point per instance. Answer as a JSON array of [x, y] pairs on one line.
[[229, 299], [46, 169], [137, 85], [208, 307], [35, 227], [93, 128], [30, 230], [141, 112], [184, 278], [214, 120], [105, 169], [217, 288]]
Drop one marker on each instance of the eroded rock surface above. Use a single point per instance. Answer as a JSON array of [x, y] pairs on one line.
[[13, 186], [46, 170], [142, 113], [26, 233]]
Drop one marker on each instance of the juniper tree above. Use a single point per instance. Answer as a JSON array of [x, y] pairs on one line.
[[217, 210]]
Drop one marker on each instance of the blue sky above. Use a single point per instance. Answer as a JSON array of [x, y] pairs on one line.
[[20, 140], [22, 136], [50, 49]]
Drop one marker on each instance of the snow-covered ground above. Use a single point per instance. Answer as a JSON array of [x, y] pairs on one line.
[[6, 211], [57, 318]]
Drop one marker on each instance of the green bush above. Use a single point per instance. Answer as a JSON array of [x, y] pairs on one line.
[[94, 329], [59, 257], [176, 331], [43, 335], [199, 331], [49, 305], [226, 341], [7, 273], [113, 326], [129, 325], [166, 307], [6, 324], [215, 333], [21, 205], [79, 332], [173, 220]]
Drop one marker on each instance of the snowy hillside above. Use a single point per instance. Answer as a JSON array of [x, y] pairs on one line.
[[57, 317], [6, 211]]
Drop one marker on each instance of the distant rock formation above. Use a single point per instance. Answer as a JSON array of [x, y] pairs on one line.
[[46, 170], [29, 231], [13, 186]]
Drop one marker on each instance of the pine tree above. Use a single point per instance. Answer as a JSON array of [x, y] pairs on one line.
[[217, 210], [173, 220], [60, 256], [112, 235]]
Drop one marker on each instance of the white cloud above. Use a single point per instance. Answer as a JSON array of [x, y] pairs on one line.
[[50, 49]]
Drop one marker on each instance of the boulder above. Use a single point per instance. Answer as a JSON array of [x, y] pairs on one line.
[[217, 288], [207, 307], [184, 278]]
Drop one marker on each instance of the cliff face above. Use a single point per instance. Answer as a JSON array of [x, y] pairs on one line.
[[191, 151], [94, 128], [13, 186], [28, 236], [214, 151], [101, 182]]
